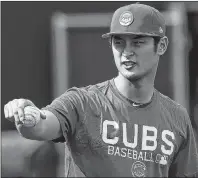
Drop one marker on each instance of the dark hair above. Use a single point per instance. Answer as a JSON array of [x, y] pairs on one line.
[[156, 41], [110, 40]]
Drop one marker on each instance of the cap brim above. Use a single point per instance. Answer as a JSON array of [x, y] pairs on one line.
[[107, 35]]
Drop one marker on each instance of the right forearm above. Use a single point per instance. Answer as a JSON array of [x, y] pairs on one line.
[[31, 122], [46, 129], [32, 133]]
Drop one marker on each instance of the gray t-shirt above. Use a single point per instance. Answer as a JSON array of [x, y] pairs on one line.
[[109, 137]]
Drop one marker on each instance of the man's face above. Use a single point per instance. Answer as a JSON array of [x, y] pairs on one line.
[[134, 55]]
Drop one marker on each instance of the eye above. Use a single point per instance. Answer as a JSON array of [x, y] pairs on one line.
[[119, 42], [139, 42]]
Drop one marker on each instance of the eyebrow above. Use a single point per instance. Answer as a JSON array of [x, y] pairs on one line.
[[117, 37], [139, 37], [135, 38]]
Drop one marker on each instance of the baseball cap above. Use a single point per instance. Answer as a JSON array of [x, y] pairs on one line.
[[137, 19]]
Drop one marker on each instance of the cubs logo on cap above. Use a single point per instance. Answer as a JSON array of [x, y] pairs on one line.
[[126, 18]]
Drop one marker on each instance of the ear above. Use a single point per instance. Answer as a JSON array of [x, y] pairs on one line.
[[162, 46]]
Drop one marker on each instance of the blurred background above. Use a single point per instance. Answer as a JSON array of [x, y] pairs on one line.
[[48, 47]]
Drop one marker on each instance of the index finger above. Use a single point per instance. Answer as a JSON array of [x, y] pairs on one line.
[[6, 111], [22, 103]]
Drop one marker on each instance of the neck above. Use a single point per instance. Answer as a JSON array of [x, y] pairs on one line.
[[139, 91]]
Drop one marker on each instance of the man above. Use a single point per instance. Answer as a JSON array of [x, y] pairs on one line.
[[123, 126]]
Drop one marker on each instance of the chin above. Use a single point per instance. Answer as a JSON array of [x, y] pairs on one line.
[[132, 76]]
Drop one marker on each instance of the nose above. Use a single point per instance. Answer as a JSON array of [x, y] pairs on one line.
[[128, 50], [128, 54]]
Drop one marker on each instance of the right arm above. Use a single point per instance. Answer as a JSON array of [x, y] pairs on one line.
[[47, 128], [56, 121]]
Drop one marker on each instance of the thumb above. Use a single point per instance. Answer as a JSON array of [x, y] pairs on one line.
[[43, 116], [22, 103], [28, 103], [35, 111]]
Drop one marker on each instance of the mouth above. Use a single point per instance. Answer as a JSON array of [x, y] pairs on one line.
[[128, 64]]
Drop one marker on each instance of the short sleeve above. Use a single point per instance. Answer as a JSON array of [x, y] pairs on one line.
[[185, 163], [68, 108]]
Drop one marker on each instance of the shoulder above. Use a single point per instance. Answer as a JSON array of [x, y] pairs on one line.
[[173, 107], [100, 87], [176, 115], [91, 97], [87, 91], [91, 90]]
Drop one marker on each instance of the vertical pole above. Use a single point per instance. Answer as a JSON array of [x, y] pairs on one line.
[[180, 73], [60, 56]]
